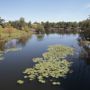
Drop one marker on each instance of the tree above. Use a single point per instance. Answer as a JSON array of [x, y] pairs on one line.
[[38, 27], [29, 24], [22, 23], [26, 28], [1, 21], [85, 29]]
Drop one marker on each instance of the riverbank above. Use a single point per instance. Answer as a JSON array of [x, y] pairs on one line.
[[5, 36]]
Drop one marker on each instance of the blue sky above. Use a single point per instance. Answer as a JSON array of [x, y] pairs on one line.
[[45, 10]]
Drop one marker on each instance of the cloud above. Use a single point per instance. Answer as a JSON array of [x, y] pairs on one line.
[[88, 5]]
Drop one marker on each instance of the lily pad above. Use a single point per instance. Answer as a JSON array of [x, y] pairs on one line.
[[56, 83], [53, 64], [20, 81]]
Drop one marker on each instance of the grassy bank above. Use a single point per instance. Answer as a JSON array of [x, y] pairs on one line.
[[8, 35]]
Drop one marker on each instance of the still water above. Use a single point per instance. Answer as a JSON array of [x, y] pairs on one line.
[[15, 63]]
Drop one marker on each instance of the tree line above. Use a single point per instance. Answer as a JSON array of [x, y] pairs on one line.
[[21, 24], [85, 29]]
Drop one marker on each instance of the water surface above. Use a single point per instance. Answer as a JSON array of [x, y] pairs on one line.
[[15, 63]]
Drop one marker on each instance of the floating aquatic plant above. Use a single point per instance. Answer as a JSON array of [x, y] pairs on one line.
[[20, 81], [58, 51], [52, 65], [56, 83]]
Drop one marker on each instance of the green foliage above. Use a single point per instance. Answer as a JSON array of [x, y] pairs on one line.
[[85, 30], [20, 24], [1, 21], [61, 27], [29, 24], [50, 67], [38, 27], [26, 29], [85, 25]]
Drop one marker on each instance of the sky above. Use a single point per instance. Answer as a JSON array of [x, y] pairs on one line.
[[45, 10]]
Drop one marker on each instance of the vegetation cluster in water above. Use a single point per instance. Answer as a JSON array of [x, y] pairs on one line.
[[51, 66]]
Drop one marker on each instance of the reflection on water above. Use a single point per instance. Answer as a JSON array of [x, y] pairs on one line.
[[23, 40], [40, 37], [84, 42], [2, 43], [14, 63], [11, 44]]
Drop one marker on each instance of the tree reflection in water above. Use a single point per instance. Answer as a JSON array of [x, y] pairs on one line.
[[11, 44], [2, 43], [24, 39], [40, 37], [84, 42]]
